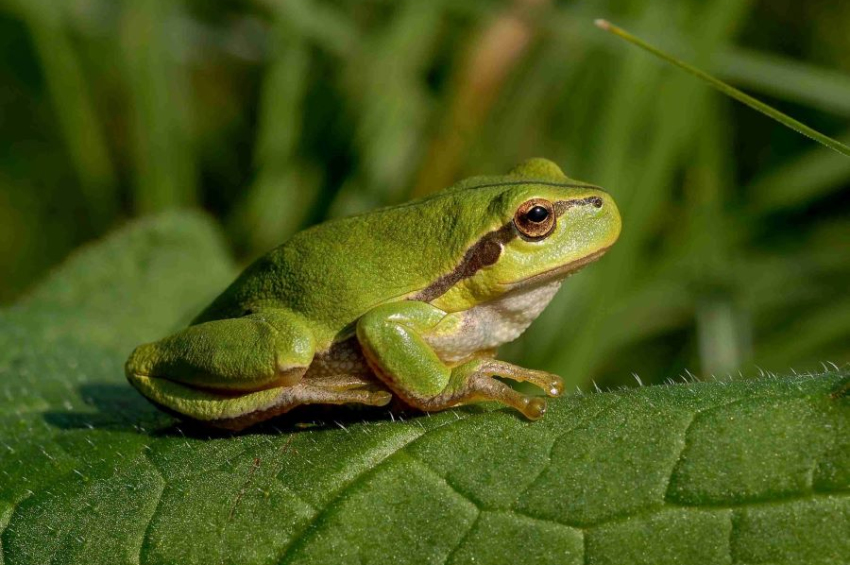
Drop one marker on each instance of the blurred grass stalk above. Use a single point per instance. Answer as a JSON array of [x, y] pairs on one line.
[[284, 190], [490, 59], [815, 174], [160, 95], [777, 76], [391, 105], [724, 335], [74, 107]]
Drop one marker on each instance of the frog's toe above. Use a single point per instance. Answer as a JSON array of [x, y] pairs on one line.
[[487, 388], [551, 384], [555, 387], [534, 407]]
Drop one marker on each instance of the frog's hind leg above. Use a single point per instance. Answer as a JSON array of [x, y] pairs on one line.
[[224, 368], [240, 411], [306, 392]]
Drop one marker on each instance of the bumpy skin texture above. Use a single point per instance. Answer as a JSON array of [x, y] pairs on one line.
[[408, 301]]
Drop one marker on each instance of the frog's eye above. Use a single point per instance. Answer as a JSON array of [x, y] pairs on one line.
[[535, 219]]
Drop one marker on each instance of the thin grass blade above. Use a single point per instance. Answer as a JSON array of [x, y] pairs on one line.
[[730, 91]]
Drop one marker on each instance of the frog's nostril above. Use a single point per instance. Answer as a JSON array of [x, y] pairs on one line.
[[596, 201]]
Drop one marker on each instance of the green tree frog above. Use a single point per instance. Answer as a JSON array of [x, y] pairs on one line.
[[408, 301]]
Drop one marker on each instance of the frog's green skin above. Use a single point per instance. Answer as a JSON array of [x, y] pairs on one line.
[[409, 301]]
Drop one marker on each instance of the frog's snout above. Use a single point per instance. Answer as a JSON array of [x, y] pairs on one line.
[[607, 212]]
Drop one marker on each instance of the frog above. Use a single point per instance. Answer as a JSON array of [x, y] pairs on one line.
[[406, 304]]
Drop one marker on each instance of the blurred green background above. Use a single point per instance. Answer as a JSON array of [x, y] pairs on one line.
[[276, 114]]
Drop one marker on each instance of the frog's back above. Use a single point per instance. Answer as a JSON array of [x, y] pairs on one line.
[[334, 272]]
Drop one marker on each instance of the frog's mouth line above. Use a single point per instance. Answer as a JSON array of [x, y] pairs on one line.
[[562, 271]]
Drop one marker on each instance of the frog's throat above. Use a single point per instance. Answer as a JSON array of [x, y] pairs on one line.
[[487, 250]]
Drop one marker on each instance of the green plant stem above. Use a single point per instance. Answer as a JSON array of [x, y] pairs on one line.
[[731, 91]]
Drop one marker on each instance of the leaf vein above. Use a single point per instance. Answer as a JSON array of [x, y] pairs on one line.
[[555, 440], [289, 551], [159, 498], [462, 539]]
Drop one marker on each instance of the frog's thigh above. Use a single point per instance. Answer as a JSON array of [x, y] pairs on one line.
[[393, 338], [263, 350]]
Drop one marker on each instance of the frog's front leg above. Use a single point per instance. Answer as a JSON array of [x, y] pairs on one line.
[[394, 341], [235, 372]]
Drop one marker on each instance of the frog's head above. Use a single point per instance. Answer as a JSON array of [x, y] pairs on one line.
[[540, 226]]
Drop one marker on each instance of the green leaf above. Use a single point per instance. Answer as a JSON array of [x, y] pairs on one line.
[[745, 472]]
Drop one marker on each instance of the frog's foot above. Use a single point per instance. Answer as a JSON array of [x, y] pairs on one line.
[[483, 388], [474, 382], [480, 386]]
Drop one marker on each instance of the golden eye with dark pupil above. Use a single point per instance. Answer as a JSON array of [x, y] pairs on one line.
[[537, 214], [535, 219]]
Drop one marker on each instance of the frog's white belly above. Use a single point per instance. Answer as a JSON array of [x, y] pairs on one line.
[[489, 325]]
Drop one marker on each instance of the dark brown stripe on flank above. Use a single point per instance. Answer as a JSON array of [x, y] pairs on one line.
[[483, 254], [487, 251]]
